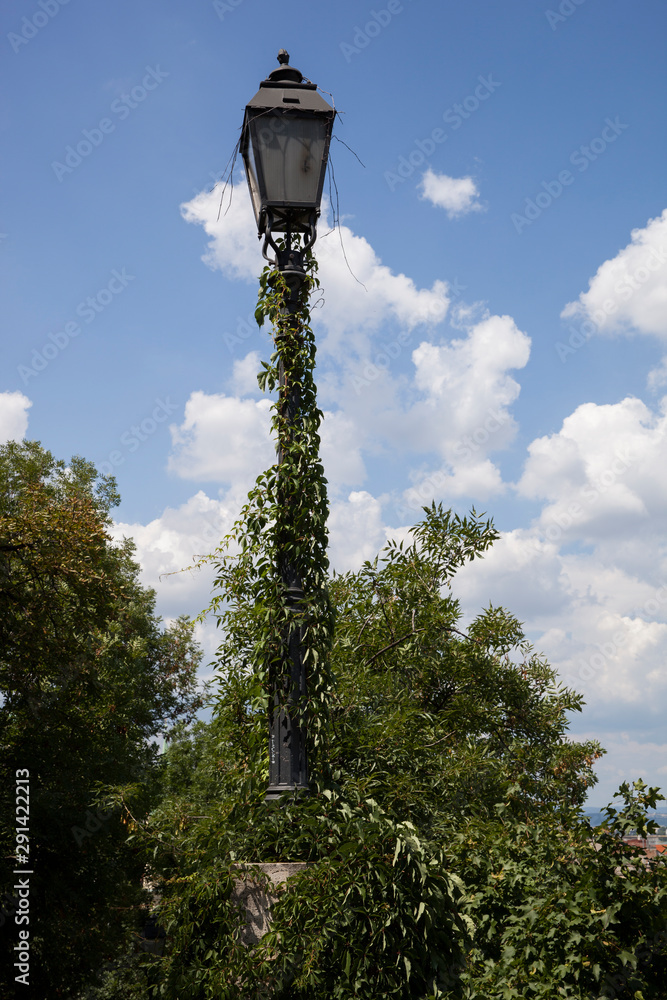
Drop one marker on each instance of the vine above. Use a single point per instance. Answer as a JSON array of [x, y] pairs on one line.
[[282, 530]]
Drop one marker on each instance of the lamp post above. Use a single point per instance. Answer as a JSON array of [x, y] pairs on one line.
[[285, 148]]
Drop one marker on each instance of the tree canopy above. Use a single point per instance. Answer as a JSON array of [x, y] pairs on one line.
[[89, 680], [448, 852]]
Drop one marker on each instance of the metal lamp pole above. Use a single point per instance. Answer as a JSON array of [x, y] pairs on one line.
[[285, 147]]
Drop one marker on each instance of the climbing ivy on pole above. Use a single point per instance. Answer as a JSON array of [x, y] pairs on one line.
[[281, 533]]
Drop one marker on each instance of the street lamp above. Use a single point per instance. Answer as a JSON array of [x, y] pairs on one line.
[[285, 148]]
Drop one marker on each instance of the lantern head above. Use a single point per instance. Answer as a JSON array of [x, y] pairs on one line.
[[285, 148]]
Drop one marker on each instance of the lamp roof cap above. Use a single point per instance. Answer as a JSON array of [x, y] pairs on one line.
[[286, 75]]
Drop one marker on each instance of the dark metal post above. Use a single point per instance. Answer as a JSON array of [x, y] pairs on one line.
[[288, 762]]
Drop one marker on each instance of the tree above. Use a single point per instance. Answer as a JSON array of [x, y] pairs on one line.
[[563, 910], [449, 854], [89, 681]]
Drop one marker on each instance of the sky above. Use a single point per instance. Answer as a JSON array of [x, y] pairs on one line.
[[493, 320]]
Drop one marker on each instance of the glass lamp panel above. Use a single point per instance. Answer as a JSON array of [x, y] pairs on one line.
[[291, 152], [251, 174]]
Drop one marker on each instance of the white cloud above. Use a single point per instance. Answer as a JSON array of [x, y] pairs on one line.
[[612, 657], [372, 295], [589, 578], [167, 549], [453, 400], [340, 450], [458, 401], [629, 292], [360, 292], [468, 390], [222, 439], [169, 544], [373, 415], [462, 414], [657, 378], [478, 479], [603, 629], [634, 755], [457, 195], [228, 440], [14, 408], [523, 574], [356, 531], [244, 374], [604, 474], [460, 398], [227, 217]]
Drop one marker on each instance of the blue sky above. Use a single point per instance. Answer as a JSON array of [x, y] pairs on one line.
[[504, 350]]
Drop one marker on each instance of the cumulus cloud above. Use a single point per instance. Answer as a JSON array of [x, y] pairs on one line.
[[657, 378], [603, 475], [169, 544], [600, 614], [457, 195], [363, 300], [479, 479], [222, 439], [609, 652], [522, 573], [603, 629], [450, 399], [361, 293], [228, 440], [629, 292], [340, 450], [589, 577], [356, 531], [244, 374], [462, 411], [626, 755], [467, 387], [14, 408], [168, 548], [457, 407], [228, 219]]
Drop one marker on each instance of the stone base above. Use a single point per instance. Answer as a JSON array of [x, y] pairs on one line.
[[252, 897]]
